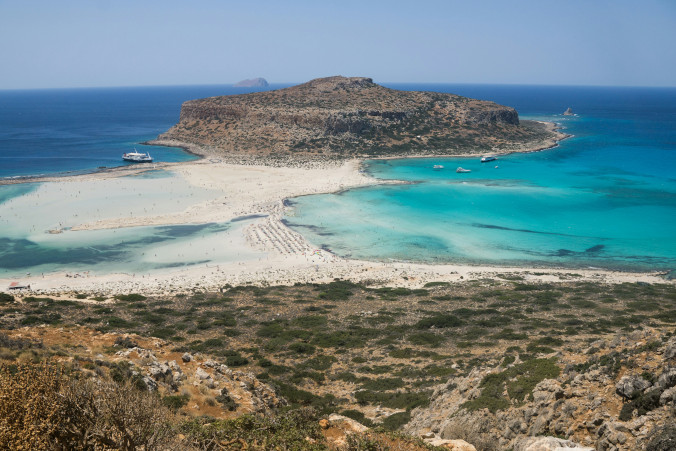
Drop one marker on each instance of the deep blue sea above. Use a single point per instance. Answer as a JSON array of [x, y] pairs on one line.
[[605, 198], [79, 130]]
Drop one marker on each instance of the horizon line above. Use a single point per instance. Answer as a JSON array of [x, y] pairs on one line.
[[289, 84]]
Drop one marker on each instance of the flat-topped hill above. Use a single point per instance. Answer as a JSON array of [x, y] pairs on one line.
[[347, 117]]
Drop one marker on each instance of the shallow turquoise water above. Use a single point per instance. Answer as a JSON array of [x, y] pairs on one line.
[[605, 198]]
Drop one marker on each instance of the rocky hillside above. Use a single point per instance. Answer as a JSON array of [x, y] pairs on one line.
[[615, 394], [497, 363], [345, 117]]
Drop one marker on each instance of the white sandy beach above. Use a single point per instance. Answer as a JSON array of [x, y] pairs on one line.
[[264, 251]]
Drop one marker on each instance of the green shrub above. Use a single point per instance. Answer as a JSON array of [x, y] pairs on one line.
[[426, 339], [226, 401], [302, 348], [396, 421], [383, 384], [439, 321], [643, 403], [175, 402], [519, 380], [133, 297]]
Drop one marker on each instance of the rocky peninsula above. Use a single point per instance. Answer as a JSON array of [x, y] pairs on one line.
[[340, 118]]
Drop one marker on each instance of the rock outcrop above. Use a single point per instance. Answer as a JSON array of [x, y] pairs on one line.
[[345, 117], [618, 399], [569, 112]]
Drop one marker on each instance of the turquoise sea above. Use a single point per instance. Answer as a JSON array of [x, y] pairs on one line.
[[605, 198]]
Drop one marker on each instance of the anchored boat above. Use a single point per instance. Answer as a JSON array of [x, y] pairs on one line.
[[137, 157], [488, 158], [463, 170]]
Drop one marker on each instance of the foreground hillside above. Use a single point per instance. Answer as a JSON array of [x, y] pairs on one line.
[[492, 362], [343, 117]]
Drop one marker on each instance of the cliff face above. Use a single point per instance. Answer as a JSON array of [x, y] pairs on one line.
[[344, 117]]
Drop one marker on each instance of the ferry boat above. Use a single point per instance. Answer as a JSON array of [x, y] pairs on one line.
[[437, 166], [463, 170], [137, 157], [488, 158]]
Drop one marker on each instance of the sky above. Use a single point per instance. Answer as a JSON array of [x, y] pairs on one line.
[[99, 43]]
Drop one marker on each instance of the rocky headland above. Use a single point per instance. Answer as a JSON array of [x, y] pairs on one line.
[[340, 117]]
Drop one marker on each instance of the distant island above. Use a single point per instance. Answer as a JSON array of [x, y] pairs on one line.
[[341, 117], [252, 83]]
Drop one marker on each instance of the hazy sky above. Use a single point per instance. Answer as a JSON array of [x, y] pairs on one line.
[[165, 42]]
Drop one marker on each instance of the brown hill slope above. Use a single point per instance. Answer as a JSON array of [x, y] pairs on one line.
[[346, 117]]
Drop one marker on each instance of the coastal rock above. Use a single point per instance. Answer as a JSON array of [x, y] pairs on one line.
[[568, 112]]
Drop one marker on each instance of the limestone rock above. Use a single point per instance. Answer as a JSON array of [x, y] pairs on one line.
[[668, 396], [629, 385], [568, 112], [454, 445], [150, 383], [548, 444], [347, 424], [201, 374], [667, 379], [187, 357], [670, 349]]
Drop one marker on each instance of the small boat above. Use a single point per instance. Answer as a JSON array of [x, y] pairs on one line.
[[137, 157], [437, 166], [463, 170], [488, 158]]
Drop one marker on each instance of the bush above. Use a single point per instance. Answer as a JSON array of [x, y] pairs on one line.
[[643, 403], [426, 339], [439, 321], [296, 430], [42, 409], [396, 421], [226, 401], [133, 297], [519, 380], [175, 402], [302, 348]]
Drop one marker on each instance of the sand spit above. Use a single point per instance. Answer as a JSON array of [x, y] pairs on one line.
[[280, 255]]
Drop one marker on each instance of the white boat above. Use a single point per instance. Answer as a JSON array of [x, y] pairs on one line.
[[137, 157], [488, 158], [437, 166], [463, 170]]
